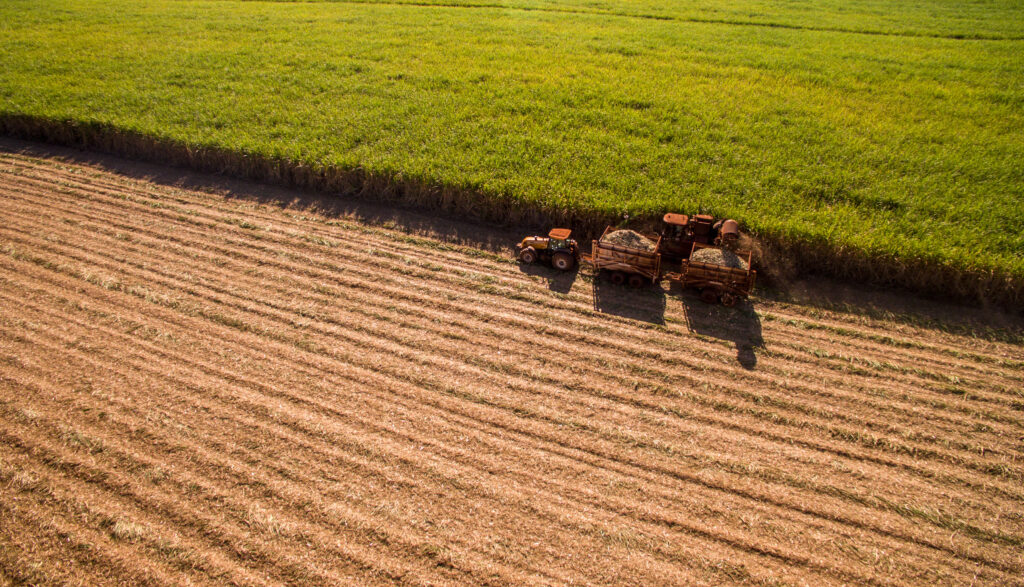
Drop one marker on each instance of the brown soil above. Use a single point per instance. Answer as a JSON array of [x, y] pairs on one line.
[[213, 387]]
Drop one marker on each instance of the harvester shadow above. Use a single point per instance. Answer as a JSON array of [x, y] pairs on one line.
[[646, 304], [558, 281], [739, 325]]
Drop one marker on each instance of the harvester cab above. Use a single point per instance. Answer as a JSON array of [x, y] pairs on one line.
[[556, 249], [675, 226], [679, 232]]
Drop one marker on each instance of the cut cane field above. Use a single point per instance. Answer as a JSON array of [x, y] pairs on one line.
[[877, 141], [243, 385]]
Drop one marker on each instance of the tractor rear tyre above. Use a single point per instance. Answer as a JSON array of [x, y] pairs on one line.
[[618, 277], [562, 261], [709, 295], [636, 281], [528, 255]]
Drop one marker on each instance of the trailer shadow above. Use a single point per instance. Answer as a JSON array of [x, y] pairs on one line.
[[739, 325], [558, 281], [646, 304]]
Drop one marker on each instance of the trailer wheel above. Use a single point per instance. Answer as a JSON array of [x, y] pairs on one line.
[[562, 261], [618, 277], [729, 300], [528, 255], [636, 280], [709, 295]]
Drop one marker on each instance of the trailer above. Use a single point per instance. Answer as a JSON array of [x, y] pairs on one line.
[[717, 283], [624, 264]]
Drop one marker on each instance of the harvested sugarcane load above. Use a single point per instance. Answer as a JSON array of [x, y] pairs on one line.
[[717, 256], [629, 238]]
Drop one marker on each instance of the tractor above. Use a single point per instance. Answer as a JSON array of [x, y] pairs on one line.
[[556, 249]]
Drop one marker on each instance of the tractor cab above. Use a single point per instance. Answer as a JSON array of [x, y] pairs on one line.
[[558, 239], [679, 232]]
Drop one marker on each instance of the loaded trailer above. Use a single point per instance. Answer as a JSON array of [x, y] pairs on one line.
[[717, 283], [625, 264]]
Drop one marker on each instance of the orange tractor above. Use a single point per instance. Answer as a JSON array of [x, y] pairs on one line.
[[556, 249]]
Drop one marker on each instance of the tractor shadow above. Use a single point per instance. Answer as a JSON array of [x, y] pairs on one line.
[[646, 304], [739, 325], [558, 281]]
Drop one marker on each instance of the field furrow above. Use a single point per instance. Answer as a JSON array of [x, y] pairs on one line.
[[918, 371], [321, 451], [258, 394], [818, 390], [841, 432]]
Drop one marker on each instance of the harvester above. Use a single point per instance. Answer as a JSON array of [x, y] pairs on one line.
[[679, 232]]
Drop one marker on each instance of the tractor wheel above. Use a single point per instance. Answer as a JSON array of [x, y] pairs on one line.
[[562, 261], [618, 277], [528, 255], [709, 295], [636, 281], [728, 300]]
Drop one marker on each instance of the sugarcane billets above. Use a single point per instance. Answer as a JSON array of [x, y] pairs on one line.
[[629, 238], [723, 257]]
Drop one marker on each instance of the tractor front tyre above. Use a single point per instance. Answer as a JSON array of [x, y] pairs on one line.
[[636, 281], [562, 261], [709, 295], [618, 277], [528, 255]]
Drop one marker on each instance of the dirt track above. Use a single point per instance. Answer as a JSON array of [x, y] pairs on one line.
[[200, 388]]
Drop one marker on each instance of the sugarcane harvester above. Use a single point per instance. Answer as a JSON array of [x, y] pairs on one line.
[[679, 232]]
